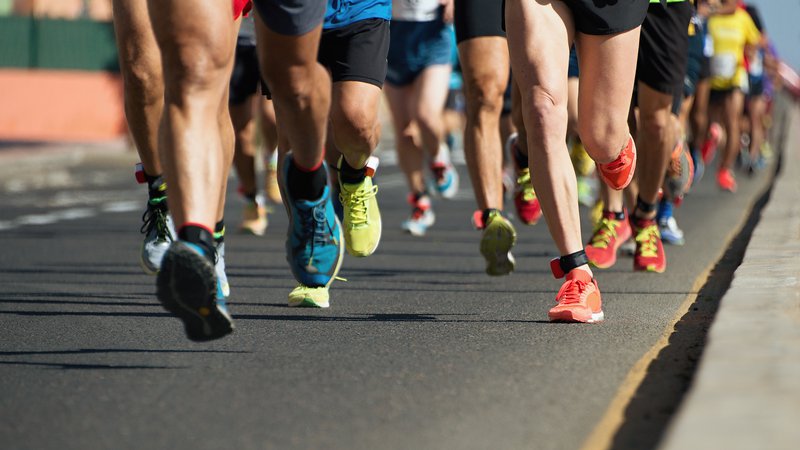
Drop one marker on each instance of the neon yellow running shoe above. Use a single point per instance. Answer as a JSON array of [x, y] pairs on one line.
[[309, 297], [581, 161], [498, 238], [362, 218]]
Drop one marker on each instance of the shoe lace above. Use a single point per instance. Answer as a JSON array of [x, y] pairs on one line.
[[604, 231], [357, 203], [572, 292], [314, 227], [155, 218], [524, 182], [647, 238]]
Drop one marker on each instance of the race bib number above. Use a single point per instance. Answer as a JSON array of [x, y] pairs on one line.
[[724, 66]]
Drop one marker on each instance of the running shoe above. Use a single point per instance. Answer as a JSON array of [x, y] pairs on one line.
[[314, 247], [497, 241], [445, 174], [578, 300], [670, 232], [272, 189], [158, 234], [254, 219], [219, 268], [726, 181], [709, 147], [525, 201], [362, 218], [527, 204], [608, 235], [650, 255], [188, 287], [581, 161], [309, 297], [422, 216], [680, 173], [618, 173], [699, 166]]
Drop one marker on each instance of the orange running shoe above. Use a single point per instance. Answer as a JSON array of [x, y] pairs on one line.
[[618, 173], [726, 181], [650, 255], [609, 234], [578, 300]]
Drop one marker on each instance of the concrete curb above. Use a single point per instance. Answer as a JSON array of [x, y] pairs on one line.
[[746, 393]]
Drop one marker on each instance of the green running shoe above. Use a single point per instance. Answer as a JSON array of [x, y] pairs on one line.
[[362, 218], [498, 238], [309, 297]]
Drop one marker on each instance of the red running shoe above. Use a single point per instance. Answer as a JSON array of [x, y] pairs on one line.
[[578, 300], [649, 256], [525, 201], [709, 147], [726, 181], [618, 173], [609, 234]]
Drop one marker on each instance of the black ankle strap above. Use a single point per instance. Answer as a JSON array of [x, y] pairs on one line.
[[565, 264]]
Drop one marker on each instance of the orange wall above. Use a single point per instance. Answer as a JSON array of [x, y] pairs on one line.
[[45, 105]]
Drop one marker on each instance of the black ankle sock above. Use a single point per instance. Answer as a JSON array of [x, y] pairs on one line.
[[350, 175], [485, 215], [520, 157], [617, 215], [306, 185], [251, 197], [201, 237], [156, 186], [643, 208], [219, 232]]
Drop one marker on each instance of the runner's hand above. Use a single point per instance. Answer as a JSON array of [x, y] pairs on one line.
[[447, 10]]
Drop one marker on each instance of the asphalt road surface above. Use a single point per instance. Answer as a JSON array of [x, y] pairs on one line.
[[419, 350]]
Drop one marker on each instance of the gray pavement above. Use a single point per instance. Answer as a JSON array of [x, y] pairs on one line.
[[419, 350], [746, 394]]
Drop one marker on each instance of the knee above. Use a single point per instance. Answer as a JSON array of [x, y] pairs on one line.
[[484, 98], [655, 125], [547, 113], [294, 82], [194, 68], [354, 129], [143, 82]]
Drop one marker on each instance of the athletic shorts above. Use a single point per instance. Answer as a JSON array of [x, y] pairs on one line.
[[291, 17], [664, 47], [756, 86], [241, 8], [356, 52], [719, 95], [573, 71], [602, 17], [246, 76], [478, 18], [415, 46]]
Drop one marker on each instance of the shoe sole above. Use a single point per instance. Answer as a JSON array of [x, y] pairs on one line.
[[569, 316], [308, 301], [650, 269], [496, 249], [187, 287]]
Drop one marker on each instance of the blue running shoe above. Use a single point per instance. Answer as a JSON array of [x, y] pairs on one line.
[[187, 286], [314, 242]]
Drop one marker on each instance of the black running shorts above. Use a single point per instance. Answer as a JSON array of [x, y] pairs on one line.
[[246, 76], [478, 18], [602, 17], [664, 47], [356, 52]]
